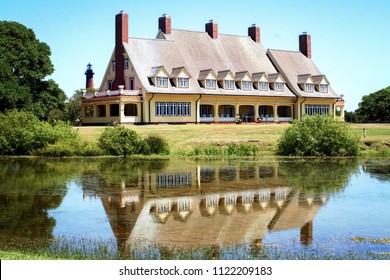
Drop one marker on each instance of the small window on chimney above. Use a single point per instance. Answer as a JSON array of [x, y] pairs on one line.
[[109, 85], [113, 64]]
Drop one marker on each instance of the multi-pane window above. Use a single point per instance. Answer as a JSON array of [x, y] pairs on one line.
[[279, 86], [183, 82], [316, 109], [246, 85], [309, 88], [229, 84], [173, 109], [263, 86], [211, 84], [126, 63], [162, 82], [323, 88]]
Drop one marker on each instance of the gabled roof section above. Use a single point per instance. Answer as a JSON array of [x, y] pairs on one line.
[[157, 70], [274, 77], [241, 76], [319, 79], [304, 79], [222, 75], [292, 64], [178, 70], [204, 73], [258, 76]]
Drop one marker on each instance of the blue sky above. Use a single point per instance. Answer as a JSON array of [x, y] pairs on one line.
[[350, 39]]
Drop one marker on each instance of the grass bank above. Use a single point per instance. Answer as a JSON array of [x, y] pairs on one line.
[[183, 139]]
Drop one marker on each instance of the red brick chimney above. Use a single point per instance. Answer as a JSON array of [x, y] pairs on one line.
[[254, 33], [121, 36], [164, 23], [212, 29], [305, 44]]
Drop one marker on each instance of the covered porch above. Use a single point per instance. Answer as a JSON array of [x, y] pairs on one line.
[[245, 113]]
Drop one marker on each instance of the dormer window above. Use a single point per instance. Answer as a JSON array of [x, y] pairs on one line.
[[183, 82], [229, 84], [211, 84], [323, 88], [279, 87], [162, 82], [309, 87], [263, 86], [246, 85]]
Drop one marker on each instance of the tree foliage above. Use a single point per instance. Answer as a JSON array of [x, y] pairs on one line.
[[120, 141], [375, 106], [318, 136], [24, 65]]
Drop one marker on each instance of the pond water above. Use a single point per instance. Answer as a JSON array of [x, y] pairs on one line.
[[197, 209]]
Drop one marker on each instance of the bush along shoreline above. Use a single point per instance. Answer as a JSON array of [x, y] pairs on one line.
[[22, 133]]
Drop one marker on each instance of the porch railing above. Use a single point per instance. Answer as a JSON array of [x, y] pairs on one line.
[[207, 119]]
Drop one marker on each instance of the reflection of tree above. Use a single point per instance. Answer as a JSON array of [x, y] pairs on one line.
[[379, 171], [28, 188], [318, 176]]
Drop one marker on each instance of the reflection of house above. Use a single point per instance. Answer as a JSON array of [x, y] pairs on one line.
[[189, 205], [193, 77]]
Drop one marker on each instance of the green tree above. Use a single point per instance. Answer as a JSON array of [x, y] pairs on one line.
[[24, 65], [318, 136], [120, 141], [375, 106]]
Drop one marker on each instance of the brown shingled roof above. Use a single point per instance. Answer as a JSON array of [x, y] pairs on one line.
[[196, 51], [293, 64]]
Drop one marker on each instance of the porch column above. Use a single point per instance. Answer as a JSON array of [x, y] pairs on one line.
[[257, 115], [108, 110], [276, 119], [216, 115], [237, 110], [94, 110], [197, 117], [121, 111]]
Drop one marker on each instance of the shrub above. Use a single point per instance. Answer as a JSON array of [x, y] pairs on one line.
[[154, 144], [22, 132], [119, 141], [318, 136]]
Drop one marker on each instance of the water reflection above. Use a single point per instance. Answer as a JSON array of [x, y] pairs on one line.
[[177, 203]]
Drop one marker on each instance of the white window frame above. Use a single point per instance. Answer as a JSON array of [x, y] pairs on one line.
[[309, 87], [211, 84], [324, 88], [126, 63], [229, 84], [313, 109], [173, 109], [279, 87], [162, 82], [246, 85], [263, 86], [183, 82]]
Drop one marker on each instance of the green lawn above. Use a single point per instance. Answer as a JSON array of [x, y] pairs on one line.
[[185, 137]]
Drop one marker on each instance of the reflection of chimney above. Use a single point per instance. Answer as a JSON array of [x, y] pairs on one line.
[[254, 33], [212, 29], [121, 36], [89, 77], [305, 44], [164, 23], [307, 234]]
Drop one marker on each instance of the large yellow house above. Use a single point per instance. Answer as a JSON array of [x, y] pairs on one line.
[[206, 77]]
